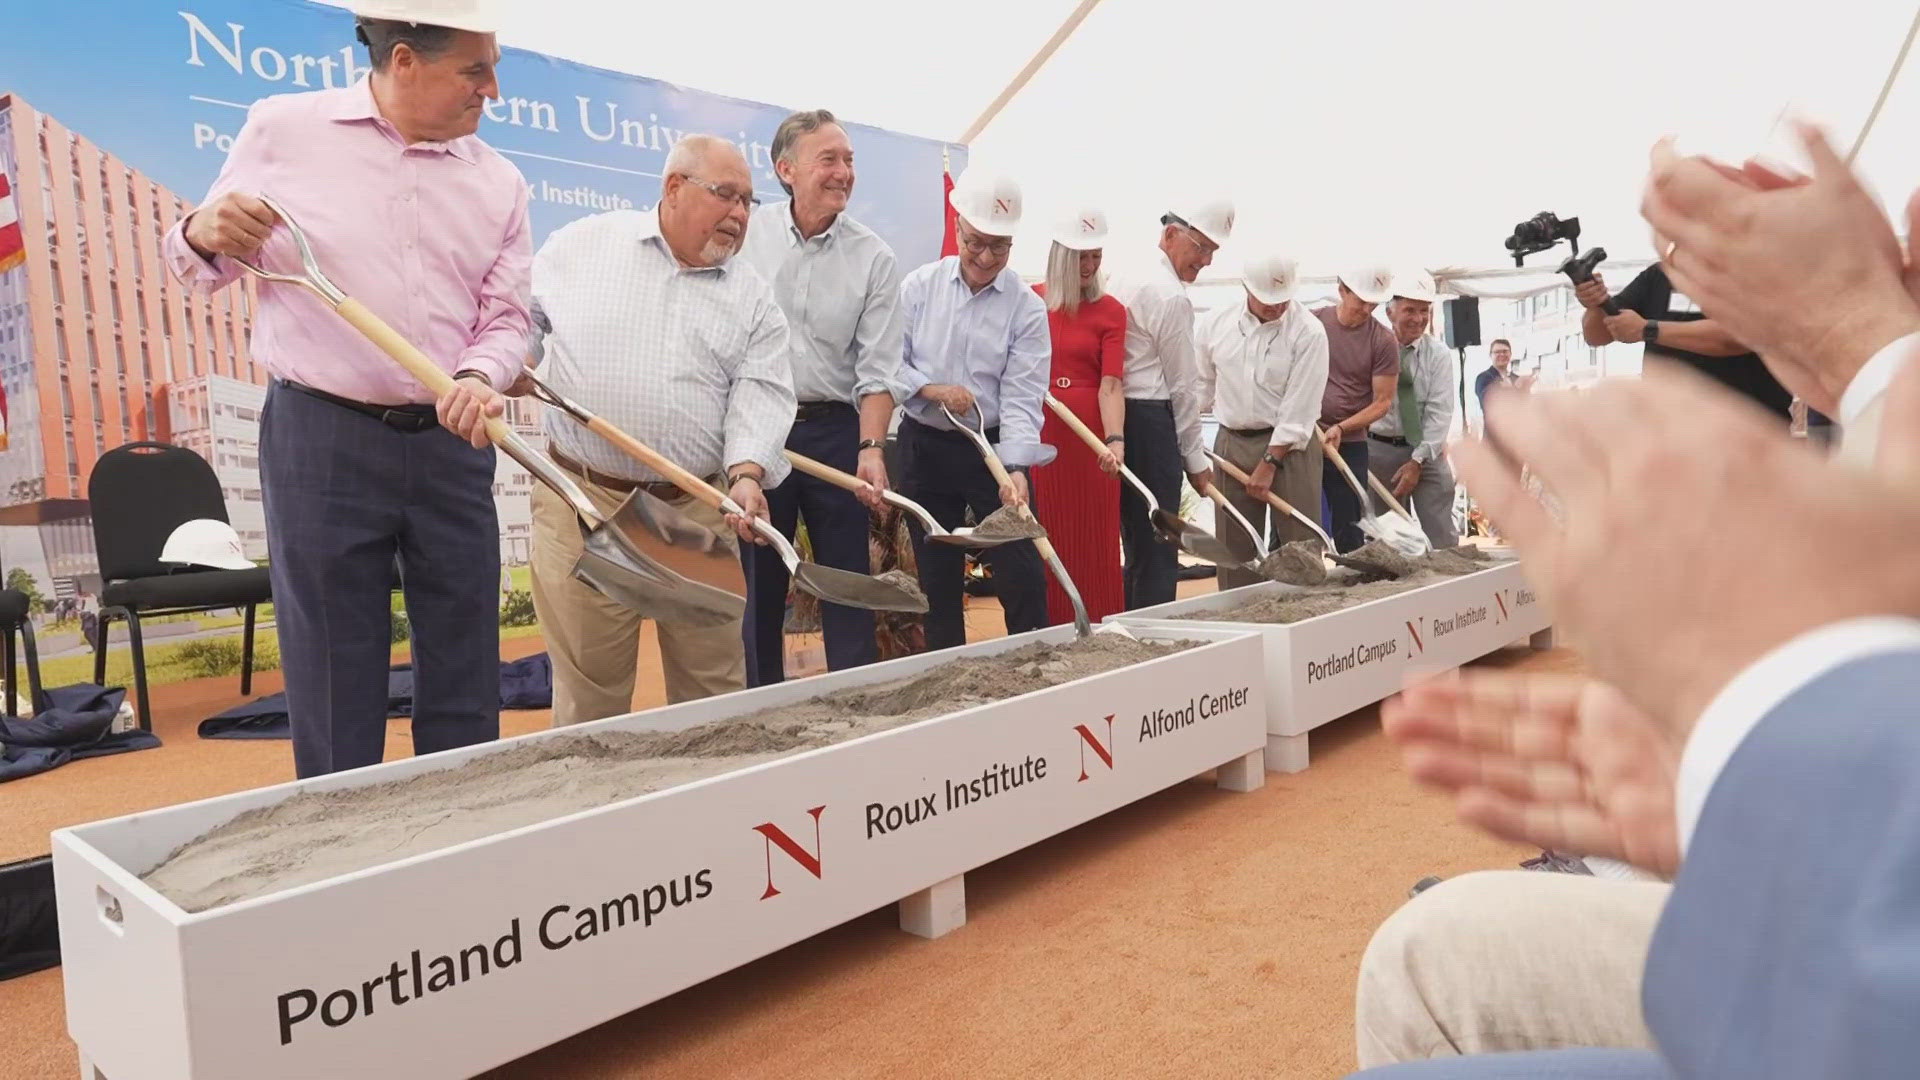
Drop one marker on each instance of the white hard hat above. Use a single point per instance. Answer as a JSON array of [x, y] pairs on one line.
[[206, 542], [479, 16], [1213, 219], [1272, 279], [1414, 285], [988, 201], [1372, 284], [1083, 231]]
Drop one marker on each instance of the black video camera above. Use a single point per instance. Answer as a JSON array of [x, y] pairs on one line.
[[1540, 232]]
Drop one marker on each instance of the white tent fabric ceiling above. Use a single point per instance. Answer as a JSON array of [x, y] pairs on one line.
[[1410, 132]]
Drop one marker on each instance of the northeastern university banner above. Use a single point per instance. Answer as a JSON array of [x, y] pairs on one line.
[[115, 115]]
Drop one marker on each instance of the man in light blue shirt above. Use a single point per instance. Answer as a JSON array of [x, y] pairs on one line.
[[976, 343], [838, 284]]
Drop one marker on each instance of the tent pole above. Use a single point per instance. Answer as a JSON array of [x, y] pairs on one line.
[[1039, 61]]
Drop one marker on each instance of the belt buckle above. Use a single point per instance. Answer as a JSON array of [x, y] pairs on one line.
[[1063, 382]]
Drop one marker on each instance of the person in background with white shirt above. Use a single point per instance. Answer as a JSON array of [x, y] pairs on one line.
[[1262, 367], [640, 316], [838, 285], [1163, 400], [977, 345], [1407, 446]]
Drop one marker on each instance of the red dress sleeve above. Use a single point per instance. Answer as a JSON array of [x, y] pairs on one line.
[[1113, 342]]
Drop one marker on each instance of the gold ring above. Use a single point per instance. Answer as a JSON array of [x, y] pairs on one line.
[[1667, 255]]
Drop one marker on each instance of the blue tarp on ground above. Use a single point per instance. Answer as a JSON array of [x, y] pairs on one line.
[[524, 684]]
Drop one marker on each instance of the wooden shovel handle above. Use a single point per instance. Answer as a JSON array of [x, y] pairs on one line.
[[1000, 477], [653, 459], [418, 365], [1075, 424], [831, 475], [1240, 474]]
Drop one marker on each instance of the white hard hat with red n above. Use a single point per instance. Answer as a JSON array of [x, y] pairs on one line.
[[478, 16]]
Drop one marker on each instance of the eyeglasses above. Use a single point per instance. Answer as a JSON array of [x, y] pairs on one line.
[[725, 193], [980, 245], [1199, 240]]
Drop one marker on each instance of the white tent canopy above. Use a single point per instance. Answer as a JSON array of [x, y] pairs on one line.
[[1412, 132]]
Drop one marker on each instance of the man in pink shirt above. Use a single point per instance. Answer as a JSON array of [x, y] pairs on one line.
[[415, 217]]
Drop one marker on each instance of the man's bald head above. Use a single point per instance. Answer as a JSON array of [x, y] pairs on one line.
[[706, 196]]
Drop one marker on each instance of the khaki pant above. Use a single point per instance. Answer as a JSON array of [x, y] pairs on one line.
[[594, 642], [1297, 481], [1508, 960]]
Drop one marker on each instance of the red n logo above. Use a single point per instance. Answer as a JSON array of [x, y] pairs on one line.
[[1089, 739], [1415, 633], [777, 837], [1500, 599]]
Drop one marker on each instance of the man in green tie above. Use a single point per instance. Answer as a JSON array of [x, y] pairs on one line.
[[1407, 448]]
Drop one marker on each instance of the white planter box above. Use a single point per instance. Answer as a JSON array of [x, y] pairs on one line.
[[568, 923], [1323, 668]]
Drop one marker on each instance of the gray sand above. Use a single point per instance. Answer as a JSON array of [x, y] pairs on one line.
[[313, 837], [1005, 523], [1344, 589], [1296, 562], [904, 581]]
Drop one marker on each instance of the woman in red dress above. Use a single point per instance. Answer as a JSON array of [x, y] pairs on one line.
[[1077, 496]]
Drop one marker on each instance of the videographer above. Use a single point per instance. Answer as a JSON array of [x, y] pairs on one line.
[[1673, 328]]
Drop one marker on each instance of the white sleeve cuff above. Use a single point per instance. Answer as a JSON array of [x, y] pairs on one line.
[[1762, 686], [1874, 377]]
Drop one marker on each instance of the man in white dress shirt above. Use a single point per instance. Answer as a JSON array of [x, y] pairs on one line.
[[1163, 400], [977, 344], [838, 285], [1262, 366], [640, 317], [1407, 446]]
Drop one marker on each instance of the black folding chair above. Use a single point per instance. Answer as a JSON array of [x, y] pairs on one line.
[[140, 493], [16, 622]]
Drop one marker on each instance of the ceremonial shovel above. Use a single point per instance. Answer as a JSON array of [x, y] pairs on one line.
[[1278, 503], [1169, 526], [1402, 534], [834, 586], [964, 536], [1080, 622], [642, 556]]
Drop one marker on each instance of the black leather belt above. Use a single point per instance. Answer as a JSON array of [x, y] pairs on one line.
[[1390, 440], [1251, 433], [408, 418], [820, 410]]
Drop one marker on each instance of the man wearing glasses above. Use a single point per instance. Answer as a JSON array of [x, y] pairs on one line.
[[839, 287], [977, 344], [1162, 386], [639, 316]]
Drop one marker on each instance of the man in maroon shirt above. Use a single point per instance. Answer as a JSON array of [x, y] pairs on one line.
[[1363, 368]]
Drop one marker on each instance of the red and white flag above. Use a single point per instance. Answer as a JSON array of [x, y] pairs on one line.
[[13, 244]]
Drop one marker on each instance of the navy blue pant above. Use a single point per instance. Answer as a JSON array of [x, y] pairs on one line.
[[1343, 503], [943, 471], [1153, 453], [345, 494], [837, 532]]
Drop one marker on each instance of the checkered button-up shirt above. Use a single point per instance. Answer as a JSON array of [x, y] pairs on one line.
[[691, 361]]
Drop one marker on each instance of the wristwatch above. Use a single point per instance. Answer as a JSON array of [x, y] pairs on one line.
[[735, 477], [1651, 335], [1268, 459], [1111, 439], [873, 444]]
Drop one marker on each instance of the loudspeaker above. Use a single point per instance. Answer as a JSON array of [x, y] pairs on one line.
[[1463, 322]]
